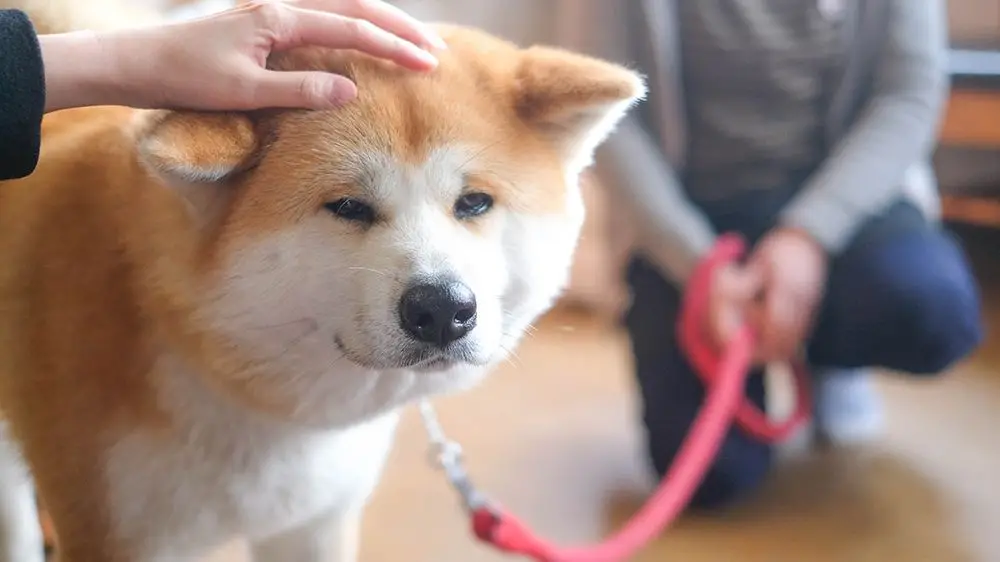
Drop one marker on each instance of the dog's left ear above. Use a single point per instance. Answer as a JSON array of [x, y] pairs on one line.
[[575, 100]]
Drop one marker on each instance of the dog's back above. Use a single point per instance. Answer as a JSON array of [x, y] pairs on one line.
[[59, 16], [31, 249]]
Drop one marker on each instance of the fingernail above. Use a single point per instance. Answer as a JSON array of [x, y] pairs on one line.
[[427, 57], [343, 91], [435, 40]]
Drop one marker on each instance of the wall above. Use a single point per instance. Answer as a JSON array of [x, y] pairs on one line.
[[974, 21], [521, 21], [971, 23]]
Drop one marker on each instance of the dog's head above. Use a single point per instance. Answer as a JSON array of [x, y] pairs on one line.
[[399, 245]]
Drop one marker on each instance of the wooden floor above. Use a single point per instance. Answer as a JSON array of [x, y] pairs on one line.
[[554, 435]]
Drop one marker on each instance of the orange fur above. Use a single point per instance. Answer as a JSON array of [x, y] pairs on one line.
[[103, 262]]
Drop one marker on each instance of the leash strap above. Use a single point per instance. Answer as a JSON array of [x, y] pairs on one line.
[[724, 375]]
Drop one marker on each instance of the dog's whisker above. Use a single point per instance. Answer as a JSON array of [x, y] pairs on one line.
[[310, 324], [511, 356], [480, 152], [369, 270]]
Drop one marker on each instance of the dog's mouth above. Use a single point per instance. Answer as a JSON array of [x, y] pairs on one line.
[[421, 360]]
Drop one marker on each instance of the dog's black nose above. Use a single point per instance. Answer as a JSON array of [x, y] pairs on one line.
[[438, 313]]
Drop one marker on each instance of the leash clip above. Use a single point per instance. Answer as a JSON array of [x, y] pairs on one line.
[[446, 455]]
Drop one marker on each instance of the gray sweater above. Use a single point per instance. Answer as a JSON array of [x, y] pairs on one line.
[[756, 77], [879, 116]]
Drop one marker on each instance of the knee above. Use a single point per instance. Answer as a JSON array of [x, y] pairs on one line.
[[940, 310], [947, 327], [672, 400], [741, 468]]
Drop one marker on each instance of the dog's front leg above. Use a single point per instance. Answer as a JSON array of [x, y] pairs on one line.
[[332, 538], [20, 533]]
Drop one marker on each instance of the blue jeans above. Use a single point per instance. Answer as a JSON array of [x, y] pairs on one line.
[[901, 297]]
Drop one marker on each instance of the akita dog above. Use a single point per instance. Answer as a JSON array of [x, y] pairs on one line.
[[209, 321]]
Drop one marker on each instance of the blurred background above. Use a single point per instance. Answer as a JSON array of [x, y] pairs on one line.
[[555, 434]]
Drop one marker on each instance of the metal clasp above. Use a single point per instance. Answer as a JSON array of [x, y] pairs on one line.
[[446, 455]]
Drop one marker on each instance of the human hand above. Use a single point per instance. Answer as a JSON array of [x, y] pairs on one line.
[[218, 62], [734, 288], [792, 268]]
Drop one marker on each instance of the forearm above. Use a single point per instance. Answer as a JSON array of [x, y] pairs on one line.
[[674, 233], [864, 177], [865, 171], [81, 69]]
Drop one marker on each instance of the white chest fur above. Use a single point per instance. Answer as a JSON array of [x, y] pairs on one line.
[[223, 473]]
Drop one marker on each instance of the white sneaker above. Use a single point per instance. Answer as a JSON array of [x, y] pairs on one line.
[[849, 408]]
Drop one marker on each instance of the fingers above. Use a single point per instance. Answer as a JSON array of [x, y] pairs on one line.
[[307, 90], [777, 328], [382, 14], [748, 283], [296, 27], [773, 312], [734, 288], [726, 321], [781, 321]]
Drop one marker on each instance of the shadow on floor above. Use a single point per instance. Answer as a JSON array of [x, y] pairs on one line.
[[827, 507]]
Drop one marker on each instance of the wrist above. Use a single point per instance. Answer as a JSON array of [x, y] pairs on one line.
[[85, 68]]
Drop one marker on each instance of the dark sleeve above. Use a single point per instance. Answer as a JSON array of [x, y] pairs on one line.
[[22, 95]]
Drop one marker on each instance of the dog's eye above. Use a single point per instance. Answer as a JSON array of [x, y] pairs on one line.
[[352, 210], [472, 205]]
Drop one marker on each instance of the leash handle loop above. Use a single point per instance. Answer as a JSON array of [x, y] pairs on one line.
[[706, 360]]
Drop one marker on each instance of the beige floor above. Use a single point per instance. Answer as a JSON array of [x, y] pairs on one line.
[[554, 436]]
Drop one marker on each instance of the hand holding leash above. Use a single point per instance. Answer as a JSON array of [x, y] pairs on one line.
[[724, 375]]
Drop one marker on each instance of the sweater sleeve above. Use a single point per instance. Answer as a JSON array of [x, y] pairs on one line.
[[22, 95], [896, 129], [674, 234]]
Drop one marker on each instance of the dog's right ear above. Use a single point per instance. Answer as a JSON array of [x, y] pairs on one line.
[[190, 147], [195, 153]]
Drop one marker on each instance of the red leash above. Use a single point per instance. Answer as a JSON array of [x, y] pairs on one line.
[[724, 376]]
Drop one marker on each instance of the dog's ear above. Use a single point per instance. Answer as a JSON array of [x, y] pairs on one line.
[[574, 99], [196, 153], [189, 147]]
